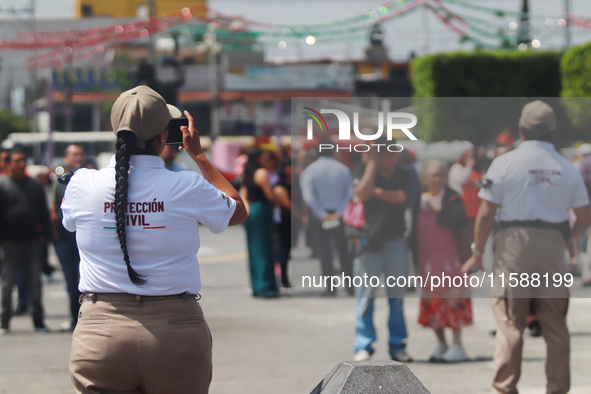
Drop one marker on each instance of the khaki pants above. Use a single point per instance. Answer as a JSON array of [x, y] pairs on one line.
[[131, 344], [511, 315], [525, 250]]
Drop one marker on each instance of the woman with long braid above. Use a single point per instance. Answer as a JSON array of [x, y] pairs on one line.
[[140, 328], [125, 140]]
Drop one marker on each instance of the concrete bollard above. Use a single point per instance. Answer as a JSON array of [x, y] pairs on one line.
[[375, 377]]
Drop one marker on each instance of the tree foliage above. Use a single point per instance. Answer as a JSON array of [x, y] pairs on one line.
[[11, 123], [575, 69], [489, 74]]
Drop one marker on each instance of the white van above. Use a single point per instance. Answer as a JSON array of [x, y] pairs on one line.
[[95, 143]]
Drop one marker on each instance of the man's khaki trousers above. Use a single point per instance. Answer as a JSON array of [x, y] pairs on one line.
[[511, 315], [529, 251]]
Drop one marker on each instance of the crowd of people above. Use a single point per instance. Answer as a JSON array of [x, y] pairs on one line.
[[31, 222], [374, 210], [387, 189]]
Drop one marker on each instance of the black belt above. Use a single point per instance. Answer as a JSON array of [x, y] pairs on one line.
[[126, 297], [562, 227]]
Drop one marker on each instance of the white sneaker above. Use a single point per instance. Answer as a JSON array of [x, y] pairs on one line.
[[402, 357], [362, 355], [4, 331], [438, 353], [455, 354]]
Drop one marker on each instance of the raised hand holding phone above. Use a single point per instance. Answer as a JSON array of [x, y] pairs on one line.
[[191, 142], [175, 135]]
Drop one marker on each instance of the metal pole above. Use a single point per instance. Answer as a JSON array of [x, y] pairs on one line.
[[49, 148], [37, 154], [524, 31], [152, 12], [9, 85], [567, 28], [300, 48], [424, 29], [211, 42], [69, 111]]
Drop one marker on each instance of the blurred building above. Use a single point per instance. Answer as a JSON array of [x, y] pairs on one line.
[[134, 8], [219, 74], [385, 79], [18, 73], [377, 76], [251, 99]]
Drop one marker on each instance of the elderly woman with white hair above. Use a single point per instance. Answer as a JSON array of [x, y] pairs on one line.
[[440, 218]]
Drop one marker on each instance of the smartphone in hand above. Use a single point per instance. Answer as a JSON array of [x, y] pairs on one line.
[[175, 135]]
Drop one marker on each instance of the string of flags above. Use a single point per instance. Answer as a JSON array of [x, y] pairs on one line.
[[483, 26]]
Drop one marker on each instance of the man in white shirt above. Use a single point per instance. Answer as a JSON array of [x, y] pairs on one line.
[[533, 188]]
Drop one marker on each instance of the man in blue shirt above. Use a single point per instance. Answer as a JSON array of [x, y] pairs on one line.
[[327, 188], [64, 241]]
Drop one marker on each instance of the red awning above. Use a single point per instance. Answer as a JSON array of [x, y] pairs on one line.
[[192, 97]]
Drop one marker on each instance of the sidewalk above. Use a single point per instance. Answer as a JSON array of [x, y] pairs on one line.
[[288, 345]]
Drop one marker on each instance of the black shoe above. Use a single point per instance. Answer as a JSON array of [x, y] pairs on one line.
[[20, 310], [286, 283], [41, 327], [47, 270], [535, 330]]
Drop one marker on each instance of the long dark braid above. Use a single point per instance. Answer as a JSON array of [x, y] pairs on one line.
[[125, 143]]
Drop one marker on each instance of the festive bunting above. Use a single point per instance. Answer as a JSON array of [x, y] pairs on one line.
[[71, 45]]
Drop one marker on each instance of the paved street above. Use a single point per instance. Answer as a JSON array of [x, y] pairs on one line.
[[287, 345]]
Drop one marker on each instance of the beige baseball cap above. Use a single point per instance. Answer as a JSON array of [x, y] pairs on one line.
[[143, 112], [538, 116]]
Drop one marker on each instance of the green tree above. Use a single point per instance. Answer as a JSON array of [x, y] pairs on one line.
[[11, 123], [575, 70], [446, 84]]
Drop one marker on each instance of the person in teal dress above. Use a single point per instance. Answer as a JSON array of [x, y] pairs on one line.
[[256, 189]]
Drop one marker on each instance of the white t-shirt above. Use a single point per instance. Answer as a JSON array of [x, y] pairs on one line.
[[534, 182], [163, 212]]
